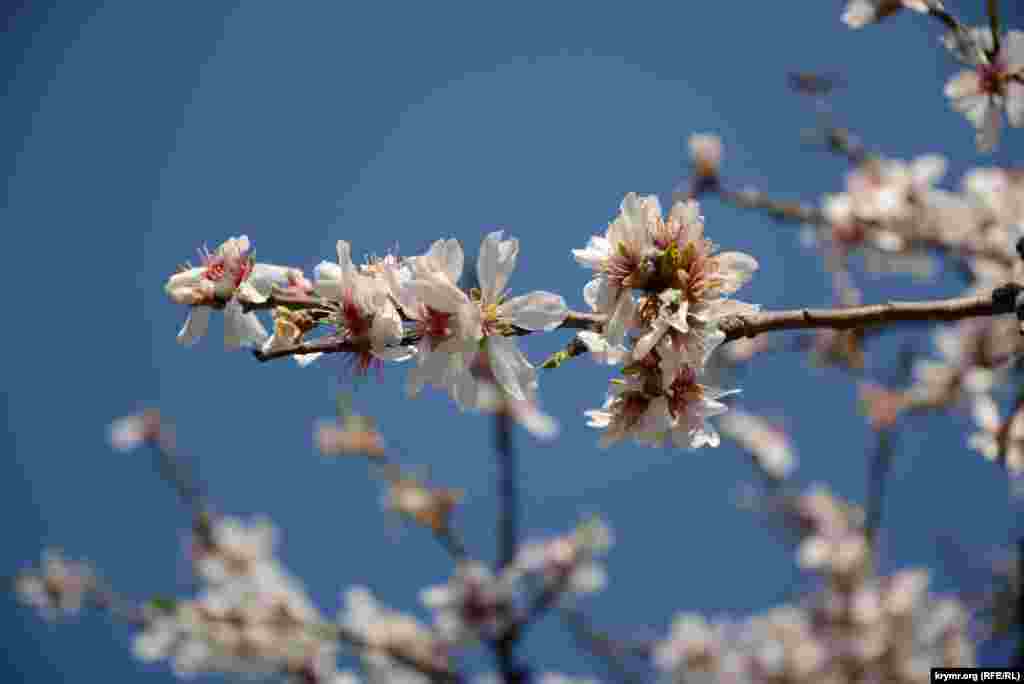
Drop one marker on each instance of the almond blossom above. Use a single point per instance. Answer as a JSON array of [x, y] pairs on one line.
[[860, 13], [249, 616], [454, 327], [682, 283], [642, 407], [228, 279], [367, 318], [567, 564], [996, 82], [473, 604], [388, 631], [883, 201], [59, 587]]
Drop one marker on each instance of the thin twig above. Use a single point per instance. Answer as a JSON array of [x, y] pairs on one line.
[[878, 475], [508, 524]]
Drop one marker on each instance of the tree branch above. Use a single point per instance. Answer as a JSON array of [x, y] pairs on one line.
[[1000, 301]]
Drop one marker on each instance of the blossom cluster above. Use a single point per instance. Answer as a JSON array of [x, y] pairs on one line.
[[475, 603], [664, 288], [249, 616], [858, 627], [388, 309]]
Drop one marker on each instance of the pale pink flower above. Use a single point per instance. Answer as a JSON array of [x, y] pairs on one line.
[[994, 435], [59, 587], [860, 13], [228, 278], [996, 83], [367, 318], [389, 631], [131, 432], [473, 604], [567, 563]]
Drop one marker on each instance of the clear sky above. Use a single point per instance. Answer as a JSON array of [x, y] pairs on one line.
[[135, 131]]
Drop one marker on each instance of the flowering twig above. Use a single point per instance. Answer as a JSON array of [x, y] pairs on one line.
[[792, 211], [1000, 301]]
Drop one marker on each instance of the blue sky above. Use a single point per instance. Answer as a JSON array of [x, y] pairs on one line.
[[136, 131]]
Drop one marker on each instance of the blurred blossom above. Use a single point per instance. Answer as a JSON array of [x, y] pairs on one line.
[[356, 435], [860, 13], [388, 631], [431, 508], [996, 435], [249, 616], [706, 154], [566, 564], [768, 444], [994, 84], [474, 604], [58, 587], [887, 630], [882, 406], [130, 432]]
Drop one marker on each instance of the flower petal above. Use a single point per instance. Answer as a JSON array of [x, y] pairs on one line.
[[988, 132], [438, 293], [509, 366], [735, 269], [1014, 103], [535, 311], [965, 84], [621, 318], [195, 325], [241, 329], [495, 264]]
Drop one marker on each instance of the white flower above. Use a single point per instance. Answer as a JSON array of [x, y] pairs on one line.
[[234, 549], [500, 316], [387, 630], [473, 604], [59, 587], [683, 285], [465, 341], [446, 323], [228, 278], [566, 564], [130, 432], [994, 434], [860, 13], [996, 83], [367, 318], [618, 257]]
